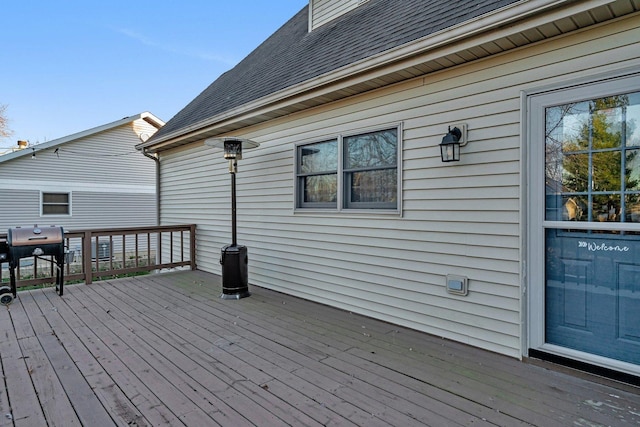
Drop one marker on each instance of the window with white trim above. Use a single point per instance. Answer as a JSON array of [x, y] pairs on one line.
[[356, 171], [56, 203]]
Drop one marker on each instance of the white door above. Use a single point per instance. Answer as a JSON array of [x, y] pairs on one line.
[[584, 222]]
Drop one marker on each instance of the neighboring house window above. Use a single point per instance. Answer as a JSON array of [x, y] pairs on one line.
[[350, 172], [56, 203]]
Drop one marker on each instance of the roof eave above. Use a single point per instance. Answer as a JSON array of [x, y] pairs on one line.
[[493, 25], [147, 116]]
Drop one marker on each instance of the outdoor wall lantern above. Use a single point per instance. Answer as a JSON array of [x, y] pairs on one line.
[[451, 143], [233, 257]]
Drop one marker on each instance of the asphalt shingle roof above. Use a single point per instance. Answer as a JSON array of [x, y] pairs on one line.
[[293, 55]]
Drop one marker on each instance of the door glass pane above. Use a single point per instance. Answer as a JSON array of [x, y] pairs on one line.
[[607, 119], [592, 168], [606, 171], [632, 132], [606, 208], [575, 173], [632, 170], [632, 212]]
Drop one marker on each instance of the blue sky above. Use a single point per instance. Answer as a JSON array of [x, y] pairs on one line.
[[69, 65]]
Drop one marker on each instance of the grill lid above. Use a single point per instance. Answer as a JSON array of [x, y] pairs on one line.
[[31, 236]]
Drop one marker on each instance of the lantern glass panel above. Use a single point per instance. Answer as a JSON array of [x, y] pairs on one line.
[[233, 150], [450, 152]]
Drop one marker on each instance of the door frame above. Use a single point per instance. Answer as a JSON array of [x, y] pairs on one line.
[[534, 102]]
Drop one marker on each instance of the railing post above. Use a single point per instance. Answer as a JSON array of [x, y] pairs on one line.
[[192, 244], [86, 257]]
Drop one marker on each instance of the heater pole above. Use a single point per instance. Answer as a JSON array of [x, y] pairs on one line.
[[234, 228]]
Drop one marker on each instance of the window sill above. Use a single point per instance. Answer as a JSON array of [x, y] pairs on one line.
[[352, 213]]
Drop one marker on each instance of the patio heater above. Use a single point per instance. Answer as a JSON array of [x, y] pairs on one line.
[[233, 257]]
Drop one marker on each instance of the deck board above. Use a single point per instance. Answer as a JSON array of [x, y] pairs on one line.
[[256, 352], [164, 349], [289, 345], [135, 403], [51, 397], [21, 406], [441, 370], [74, 386], [129, 343], [181, 369], [102, 387]]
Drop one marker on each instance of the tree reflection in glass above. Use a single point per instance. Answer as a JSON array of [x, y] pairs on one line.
[[370, 167], [319, 162], [592, 166]]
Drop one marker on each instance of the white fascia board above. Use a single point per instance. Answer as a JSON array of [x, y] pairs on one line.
[[499, 23], [151, 119]]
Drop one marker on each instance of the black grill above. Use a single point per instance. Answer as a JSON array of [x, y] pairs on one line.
[[5, 291], [4, 251], [39, 242]]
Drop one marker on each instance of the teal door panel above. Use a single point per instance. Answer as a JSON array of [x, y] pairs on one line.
[[592, 293]]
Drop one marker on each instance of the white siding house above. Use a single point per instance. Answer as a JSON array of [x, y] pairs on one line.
[[91, 179], [347, 202]]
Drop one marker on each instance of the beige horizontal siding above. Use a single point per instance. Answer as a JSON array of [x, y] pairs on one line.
[[459, 218]]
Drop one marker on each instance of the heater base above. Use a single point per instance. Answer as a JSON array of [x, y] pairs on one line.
[[235, 296], [234, 261]]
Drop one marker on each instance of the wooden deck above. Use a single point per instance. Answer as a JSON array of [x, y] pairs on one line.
[[164, 350]]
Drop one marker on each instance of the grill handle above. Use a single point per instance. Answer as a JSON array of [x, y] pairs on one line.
[[38, 238]]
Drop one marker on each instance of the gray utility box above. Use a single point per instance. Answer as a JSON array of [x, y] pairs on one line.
[[235, 277]]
